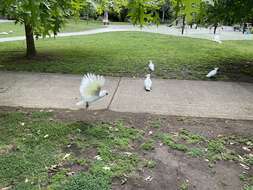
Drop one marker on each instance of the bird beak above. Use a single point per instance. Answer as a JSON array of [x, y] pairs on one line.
[[107, 94]]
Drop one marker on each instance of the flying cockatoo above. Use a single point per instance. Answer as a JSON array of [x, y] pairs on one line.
[[90, 89], [148, 83], [217, 39], [212, 73], [151, 66]]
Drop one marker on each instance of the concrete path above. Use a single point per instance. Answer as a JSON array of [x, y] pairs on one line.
[[5, 20], [169, 97], [201, 33]]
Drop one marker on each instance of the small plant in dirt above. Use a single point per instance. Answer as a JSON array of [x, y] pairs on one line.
[[148, 145], [184, 186], [248, 187], [169, 141], [195, 152], [249, 159], [88, 182], [216, 150], [156, 124], [150, 164], [190, 138], [247, 180]]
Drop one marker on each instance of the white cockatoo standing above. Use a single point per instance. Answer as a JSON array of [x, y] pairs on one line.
[[212, 73], [90, 89], [217, 39], [4, 33], [148, 83], [151, 66]]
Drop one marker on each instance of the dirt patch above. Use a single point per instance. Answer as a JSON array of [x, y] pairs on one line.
[[174, 169]]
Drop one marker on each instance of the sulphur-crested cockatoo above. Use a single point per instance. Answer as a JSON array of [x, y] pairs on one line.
[[90, 89], [151, 66], [212, 73], [148, 83], [4, 33], [217, 39]]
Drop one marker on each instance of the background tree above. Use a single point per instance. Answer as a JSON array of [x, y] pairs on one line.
[[217, 13], [166, 10], [240, 12], [40, 17], [186, 11], [89, 9], [142, 12], [110, 6]]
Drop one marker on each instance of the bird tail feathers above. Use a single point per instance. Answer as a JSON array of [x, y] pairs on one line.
[[148, 89]]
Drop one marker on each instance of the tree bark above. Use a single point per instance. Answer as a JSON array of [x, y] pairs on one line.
[[106, 18], [30, 45], [163, 17], [183, 25], [215, 28], [244, 28]]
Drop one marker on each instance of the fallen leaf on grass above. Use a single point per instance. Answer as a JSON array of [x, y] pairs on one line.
[[246, 148], [98, 157], [128, 153], [149, 178], [107, 168], [66, 156], [244, 166], [46, 136]]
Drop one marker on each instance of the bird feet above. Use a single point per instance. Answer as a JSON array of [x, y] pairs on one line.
[[87, 105]]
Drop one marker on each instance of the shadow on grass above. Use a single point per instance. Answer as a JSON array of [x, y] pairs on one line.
[[102, 62]]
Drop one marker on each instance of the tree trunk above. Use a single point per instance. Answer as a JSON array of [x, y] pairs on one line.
[[163, 16], [183, 25], [244, 28], [106, 18], [30, 45], [215, 28]]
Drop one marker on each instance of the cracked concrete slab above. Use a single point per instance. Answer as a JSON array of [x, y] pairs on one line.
[[229, 100], [186, 98], [47, 90]]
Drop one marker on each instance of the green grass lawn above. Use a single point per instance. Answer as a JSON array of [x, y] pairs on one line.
[[127, 54], [70, 26]]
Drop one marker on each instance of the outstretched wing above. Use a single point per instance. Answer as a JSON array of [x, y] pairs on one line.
[[91, 85]]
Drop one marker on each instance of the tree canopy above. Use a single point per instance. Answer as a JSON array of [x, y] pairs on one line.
[[40, 17]]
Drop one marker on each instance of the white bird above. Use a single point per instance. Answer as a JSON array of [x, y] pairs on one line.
[[4, 33], [90, 89], [151, 66], [148, 83], [212, 73], [217, 39]]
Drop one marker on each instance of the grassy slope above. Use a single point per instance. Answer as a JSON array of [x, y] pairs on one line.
[[71, 26], [127, 54]]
